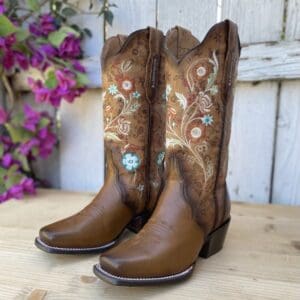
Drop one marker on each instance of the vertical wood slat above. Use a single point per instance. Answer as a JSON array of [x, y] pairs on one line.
[[196, 15], [132, 15], [286, 184], [292, 31], [258, 20], [81, 148], [251, 144]]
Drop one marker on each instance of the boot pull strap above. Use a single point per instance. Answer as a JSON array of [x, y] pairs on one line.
[[153, 64]]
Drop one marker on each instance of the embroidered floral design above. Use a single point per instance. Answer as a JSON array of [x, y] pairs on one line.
[[207, 120], [185, 131], [136, 95], [196, 132], [140, 187], [160, 158], [119, 124], [130, 161], [112, 89]]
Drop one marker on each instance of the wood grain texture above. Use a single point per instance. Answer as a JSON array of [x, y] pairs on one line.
[[258, 20], [132, 15], [251, 144], [286, 187], [292, 31], [196, 15], [260, 260], [81, 147]]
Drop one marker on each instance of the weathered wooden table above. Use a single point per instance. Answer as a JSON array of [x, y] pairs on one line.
[[260, 260]]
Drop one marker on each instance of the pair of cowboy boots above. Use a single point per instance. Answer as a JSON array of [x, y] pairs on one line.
[[167, 114]]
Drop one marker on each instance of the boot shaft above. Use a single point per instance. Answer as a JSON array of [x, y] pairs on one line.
[[199, 89], [133, 110]]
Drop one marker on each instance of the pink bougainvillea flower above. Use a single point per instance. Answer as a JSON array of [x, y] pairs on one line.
[[7, 160], [49, 50], [70, 47], [78, 66], [32, 118], [36, 59], [26, 147], [2, 7], [47, 142], [28, 185], [42, 94], [45, 25], [8, 60], [21, 59], [3, 116], [16, 191]]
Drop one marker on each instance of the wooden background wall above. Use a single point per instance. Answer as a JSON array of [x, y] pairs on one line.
[[264, 162]]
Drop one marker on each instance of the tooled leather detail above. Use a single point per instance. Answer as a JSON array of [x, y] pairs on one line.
[[127, 113], [195, 116]]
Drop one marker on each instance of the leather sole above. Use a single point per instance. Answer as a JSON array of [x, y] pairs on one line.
[[213, 244], [127, 281], [57, 250]]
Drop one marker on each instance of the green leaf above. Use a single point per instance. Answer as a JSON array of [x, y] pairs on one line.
[[108, 17], [21, 34], [1, 150], [23, 159], [57, 6], [3, 172], [6, 26], [33, 4], [44, 122], [51, 81], [2, 188], [57, 37], [69, 12], [13, 179], [87, 32], [18, 135], [82, 79]]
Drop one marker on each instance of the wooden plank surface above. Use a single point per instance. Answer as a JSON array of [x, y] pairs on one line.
[[286, 187], [292, 30], [81, 146], [258, 20], [260, 260], [196, 15], [252, 141]]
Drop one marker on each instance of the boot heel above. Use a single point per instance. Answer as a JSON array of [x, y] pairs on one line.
[[215, 241], [138, 222]]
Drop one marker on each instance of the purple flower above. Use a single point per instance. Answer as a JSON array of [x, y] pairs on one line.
[[26, 147], [32, 118], [36, 59], [8, 60], [28, 185], [44, 26], [42, 94], [7, 160], [16, 191], [70, 47], [78, 67], [2, 7], [22, 60], [49, 50], [66, 80], [3, 116], [4, 197], [47, 142]]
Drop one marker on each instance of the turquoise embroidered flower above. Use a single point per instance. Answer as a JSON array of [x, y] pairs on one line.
[[112, 89], [136, 95], [160, 158], [207, 120], [130, 161]]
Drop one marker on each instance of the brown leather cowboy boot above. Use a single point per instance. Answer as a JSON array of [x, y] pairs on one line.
[[193, 212], [134, 114]]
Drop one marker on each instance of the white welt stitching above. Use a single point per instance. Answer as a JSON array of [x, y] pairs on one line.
[[76, 249]]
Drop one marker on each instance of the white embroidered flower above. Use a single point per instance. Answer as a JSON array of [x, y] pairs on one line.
[[112, 89], [207, 120], [160, 158], [127, 85], [130, 161], [201, 71], [168, 89], [196, 132], [140, 187], [123, 126], [136, 95]]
